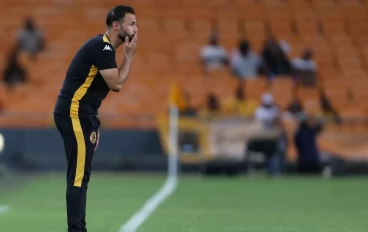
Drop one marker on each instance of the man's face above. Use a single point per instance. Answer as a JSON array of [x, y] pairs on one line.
[[128, 27]]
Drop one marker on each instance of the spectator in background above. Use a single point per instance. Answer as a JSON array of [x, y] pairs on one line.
[[213, 55], [306, 145], [188, 110], [30, 39], [269, 114], [285, 47], [188, 139], [274, 58], [14, 73], [212, 108], [240, 105], [245, 64], [328, 110], [304, 69], [295, 108]]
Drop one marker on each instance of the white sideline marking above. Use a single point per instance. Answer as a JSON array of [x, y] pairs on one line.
[[170, 184], [150, 206], [4, 208]]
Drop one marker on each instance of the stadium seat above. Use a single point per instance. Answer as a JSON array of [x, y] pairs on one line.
[[333, 29]]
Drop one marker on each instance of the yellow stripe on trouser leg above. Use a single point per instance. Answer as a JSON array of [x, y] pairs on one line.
[[74, 115], [81, 154]]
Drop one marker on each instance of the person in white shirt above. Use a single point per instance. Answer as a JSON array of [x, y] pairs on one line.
[[30, 39], [245, 63], [267, 112], [305, 68], [305, 62], [213, 55]]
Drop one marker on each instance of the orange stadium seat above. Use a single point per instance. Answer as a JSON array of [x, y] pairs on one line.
[[245, 3], [277, 13], [333, 27], [228, 13], [280, 28], [251, 12], [175, 27], [171, 36]]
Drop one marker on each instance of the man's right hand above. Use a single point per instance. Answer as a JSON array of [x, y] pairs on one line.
[[115, 78], [130, 47]]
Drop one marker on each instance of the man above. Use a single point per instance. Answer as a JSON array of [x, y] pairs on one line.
[[274, 143], [14, 72], [30, 38], [267, 112], [213, 56], [245, 64], [305, 138], [275, 60], [240, 104], [91, 75], [305, 69]]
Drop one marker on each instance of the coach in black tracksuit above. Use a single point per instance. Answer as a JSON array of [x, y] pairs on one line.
[[91, 75]]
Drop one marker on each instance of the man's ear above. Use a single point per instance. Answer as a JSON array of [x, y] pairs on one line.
[[115, 24]]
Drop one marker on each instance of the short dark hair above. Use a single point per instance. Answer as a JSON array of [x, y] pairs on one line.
[[118, 13]]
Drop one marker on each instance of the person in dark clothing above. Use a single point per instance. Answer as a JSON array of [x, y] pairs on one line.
[[329, 111], [306, 145], [275, 60], [189, 110], [212, 102], [211, 108], [14, 72], [295, 107], [91, 75]]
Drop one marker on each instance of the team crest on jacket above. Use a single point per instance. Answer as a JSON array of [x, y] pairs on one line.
[[93, 137]]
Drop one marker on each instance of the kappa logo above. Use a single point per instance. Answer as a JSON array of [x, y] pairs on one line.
[[107, 48]]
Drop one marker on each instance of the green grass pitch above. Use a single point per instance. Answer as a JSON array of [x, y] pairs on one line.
[[199, 204]]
